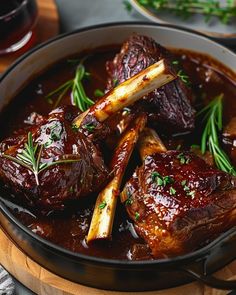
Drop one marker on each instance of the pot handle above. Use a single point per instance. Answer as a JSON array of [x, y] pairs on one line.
[[197, 272]]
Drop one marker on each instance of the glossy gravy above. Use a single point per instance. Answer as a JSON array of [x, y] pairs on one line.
[[208, 79]]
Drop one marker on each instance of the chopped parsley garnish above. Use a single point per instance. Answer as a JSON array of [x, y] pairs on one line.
[[186, 188], [183, 182], [102, 205], [154, 175], [161, 180], [195, 146], [55, 133], [115, 82], [167, 180], [175, 62], [136, 215], [71, 189], [90, 126], [178, 147], [74, 128], [172, 191], [183, 159], [129, 201], [191, 194], [98, 93]]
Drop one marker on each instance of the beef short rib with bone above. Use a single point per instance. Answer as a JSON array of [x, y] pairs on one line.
[[55, 161]]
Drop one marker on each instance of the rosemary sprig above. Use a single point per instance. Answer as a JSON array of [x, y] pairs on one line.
[[185, 8], [30, 158], [75, 85], [213, 118]]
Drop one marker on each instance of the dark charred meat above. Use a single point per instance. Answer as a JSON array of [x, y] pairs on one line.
[[178, 202], [57, 160], [159, 217], [170, 104], [58, 183]]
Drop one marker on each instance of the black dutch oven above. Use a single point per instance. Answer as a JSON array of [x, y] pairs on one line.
[[106, 273]]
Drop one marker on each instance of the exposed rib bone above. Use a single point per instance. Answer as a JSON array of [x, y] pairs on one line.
[[150, 143], [129, 91], [103, 215]]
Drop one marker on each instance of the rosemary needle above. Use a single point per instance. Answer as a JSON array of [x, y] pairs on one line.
[[30, 158], [213, 118], [75, 85]]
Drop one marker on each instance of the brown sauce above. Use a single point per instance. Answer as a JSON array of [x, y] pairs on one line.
[[69, 229]]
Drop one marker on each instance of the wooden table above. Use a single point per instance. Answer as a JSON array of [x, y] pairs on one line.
[[46, 28], [43, 282]]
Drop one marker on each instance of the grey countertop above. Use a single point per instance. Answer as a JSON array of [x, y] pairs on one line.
[[79, 13]]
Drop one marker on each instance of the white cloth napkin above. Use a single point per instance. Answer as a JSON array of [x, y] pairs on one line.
[[7, 286]]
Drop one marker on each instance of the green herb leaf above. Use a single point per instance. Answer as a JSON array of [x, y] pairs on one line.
[[71, 189], [183, 182], [75, 85], [30, 158], [102, 205], [129, 201], [74, 128], [161, 180], [136, 215], [183, 159], [175, 62], [127, 5], [98, 93], [178, 147], [115, 82], [195, 146], [186, 8], [213, 118], [154, 175], [191, 194], [167, 180], [186, 188], [172, 191], [90, 127], [184, 77]]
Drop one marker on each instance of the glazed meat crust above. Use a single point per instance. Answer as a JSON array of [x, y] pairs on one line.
[[62, 182], [178, 202], [170, 104]]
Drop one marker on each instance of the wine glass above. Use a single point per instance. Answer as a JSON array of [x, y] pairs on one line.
[[17, 20]]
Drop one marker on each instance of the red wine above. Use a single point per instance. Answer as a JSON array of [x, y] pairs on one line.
[[17, 17]]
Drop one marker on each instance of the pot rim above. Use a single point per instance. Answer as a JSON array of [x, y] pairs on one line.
[[202, 252]]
